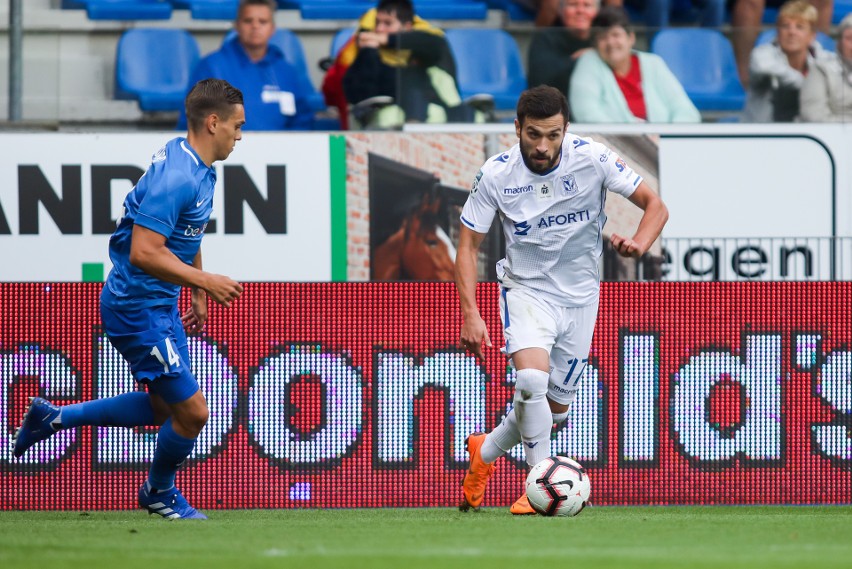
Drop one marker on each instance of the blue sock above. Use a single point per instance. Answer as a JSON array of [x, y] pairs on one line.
[[172, 449], [126, 410]]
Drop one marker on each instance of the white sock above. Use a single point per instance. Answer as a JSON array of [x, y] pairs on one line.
[[499, 441], [532, 413]]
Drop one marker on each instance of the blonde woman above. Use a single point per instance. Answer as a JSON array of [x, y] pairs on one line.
[[778, 69]]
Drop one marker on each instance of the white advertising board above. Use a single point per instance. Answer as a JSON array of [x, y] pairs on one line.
[[60, 195], [748, 207], [739, 185]]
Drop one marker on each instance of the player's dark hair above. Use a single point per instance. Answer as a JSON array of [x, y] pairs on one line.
[[542, 102], [403, 9], [210, 96], [611, 17], [271, 4]]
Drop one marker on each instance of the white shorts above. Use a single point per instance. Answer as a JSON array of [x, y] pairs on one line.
[[565, 332]]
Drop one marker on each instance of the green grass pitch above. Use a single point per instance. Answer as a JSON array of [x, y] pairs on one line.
[[715, 537]]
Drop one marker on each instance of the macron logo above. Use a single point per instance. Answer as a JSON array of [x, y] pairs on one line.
[[531, 445], [522, 228]]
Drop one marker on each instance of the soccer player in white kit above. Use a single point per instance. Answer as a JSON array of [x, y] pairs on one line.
[[549, 190]]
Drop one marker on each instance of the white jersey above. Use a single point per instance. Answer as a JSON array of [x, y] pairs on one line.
[[553, 222]]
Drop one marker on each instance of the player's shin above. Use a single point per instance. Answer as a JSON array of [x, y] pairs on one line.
[[126, 410], [502, 439], [172, 450], [532, 413]]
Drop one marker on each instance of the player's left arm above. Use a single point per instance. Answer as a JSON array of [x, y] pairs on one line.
[[195, 317], [652, 222], [149, 253]]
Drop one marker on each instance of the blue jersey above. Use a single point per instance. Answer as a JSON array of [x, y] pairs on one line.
[[174, 198]]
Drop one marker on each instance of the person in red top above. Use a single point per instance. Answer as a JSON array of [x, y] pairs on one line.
[[629, 80], [615, 83]]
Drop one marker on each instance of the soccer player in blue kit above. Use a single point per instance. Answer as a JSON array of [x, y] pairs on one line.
[[156, 250]]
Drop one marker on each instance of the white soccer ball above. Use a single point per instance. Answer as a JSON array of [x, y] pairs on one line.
[[558, 486]]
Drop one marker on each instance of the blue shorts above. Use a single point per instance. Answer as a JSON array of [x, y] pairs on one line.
[[153, 342]]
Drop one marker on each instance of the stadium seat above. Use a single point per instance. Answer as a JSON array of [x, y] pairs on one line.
[[825, 41], [770, 15], [488, 61], [219, 9], [336, 9], [128, 9], [339, 40], [514, 11], [841, 8], [153, 67], [428, 9], [703, 61], [451, 9], [213, 9]]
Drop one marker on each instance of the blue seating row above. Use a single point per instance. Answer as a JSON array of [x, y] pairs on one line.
[[153, 65], [703, 61], [342, 9], [770, 14], [227, 9]]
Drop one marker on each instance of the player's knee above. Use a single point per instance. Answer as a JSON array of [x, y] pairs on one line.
[[194, 424], [531, 385], [559, 418], [193, 420], [200, 417]]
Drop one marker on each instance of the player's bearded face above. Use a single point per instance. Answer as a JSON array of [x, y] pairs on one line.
[[541, 142]]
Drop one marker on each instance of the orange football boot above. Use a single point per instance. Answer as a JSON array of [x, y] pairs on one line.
[[522, 507], [476, 477]]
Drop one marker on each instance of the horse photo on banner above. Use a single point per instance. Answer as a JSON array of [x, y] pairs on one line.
[[414, 225]]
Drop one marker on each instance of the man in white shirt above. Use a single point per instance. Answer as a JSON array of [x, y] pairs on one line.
[[549, 190]]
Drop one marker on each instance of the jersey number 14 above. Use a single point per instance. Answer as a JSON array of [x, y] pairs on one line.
[[171, 354]]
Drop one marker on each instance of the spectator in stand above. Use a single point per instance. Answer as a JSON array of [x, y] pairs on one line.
[[332, 85], [275, 93], [414, 67], [553, 51], [777, 69], [826, 94], [747, 19], [616, 84]]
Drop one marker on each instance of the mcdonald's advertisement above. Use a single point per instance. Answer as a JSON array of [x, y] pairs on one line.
[[357, 395]]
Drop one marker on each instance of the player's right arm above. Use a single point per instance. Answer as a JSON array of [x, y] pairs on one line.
[[149, 253], [473, 331], [478, 213]]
